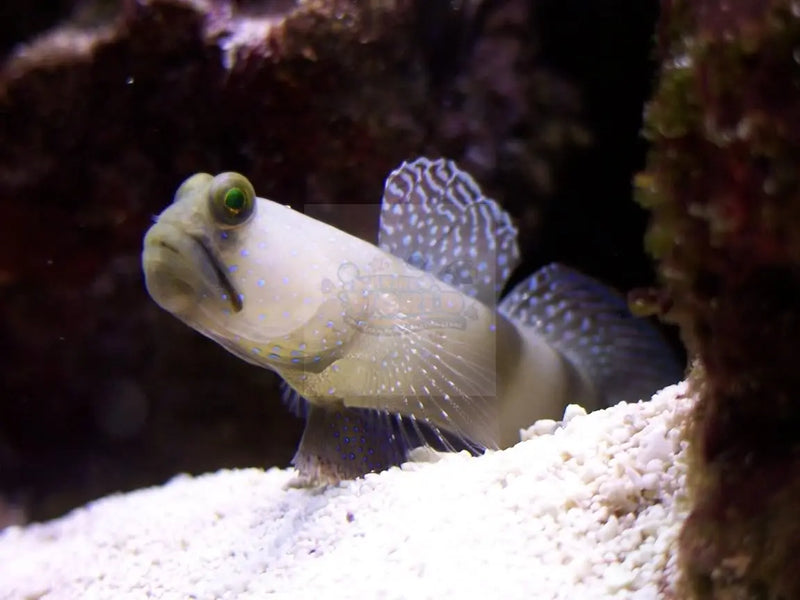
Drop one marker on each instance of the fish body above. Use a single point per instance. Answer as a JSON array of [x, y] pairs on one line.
[[391, 346]]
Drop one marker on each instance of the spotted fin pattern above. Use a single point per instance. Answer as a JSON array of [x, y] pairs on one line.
[[623, 356], [344, 442], [435, 217]]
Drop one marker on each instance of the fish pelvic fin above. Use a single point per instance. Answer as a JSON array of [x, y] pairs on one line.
[[623, 357], [344, 442], [435, 217]]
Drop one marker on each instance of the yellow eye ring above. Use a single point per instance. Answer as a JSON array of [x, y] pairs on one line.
[[231, 199]]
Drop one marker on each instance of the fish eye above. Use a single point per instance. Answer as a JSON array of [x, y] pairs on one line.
[[231, 199]]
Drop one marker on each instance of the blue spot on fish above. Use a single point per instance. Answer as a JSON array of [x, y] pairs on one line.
[[260, 283], [244, 253], [233, 268]]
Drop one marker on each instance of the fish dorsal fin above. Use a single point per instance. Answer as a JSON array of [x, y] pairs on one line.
[[435, 217], [623, 356]]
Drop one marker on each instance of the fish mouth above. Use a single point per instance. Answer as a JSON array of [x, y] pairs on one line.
[[179, 267], [234, 297]]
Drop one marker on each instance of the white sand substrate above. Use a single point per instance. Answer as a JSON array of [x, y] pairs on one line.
[[588, 510]]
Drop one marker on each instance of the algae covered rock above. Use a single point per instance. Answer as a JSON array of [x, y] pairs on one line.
[[722, 184]]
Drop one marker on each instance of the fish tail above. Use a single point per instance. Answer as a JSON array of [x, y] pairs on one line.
[[624, 357]]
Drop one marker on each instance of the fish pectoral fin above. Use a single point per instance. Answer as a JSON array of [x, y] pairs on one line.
[[446, 384]]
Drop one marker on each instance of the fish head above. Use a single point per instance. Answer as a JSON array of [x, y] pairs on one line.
[[231, 265], [187, 250]]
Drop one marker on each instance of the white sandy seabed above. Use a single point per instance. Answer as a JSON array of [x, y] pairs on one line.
[[588, 510]]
